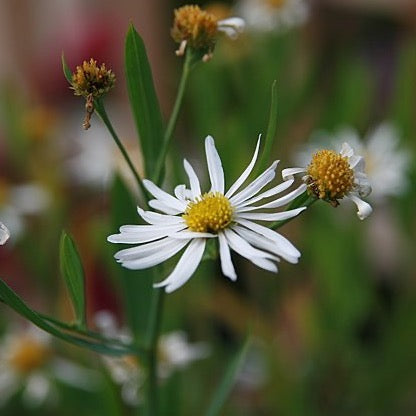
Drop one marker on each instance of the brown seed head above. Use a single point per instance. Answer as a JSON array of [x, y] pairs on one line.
[[90, 79]]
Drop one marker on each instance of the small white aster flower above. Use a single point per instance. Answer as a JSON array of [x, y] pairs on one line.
[[28, 364], [273, 15], [174, 351], [190, 217], [386, 165], [332, 176], [4, 234]]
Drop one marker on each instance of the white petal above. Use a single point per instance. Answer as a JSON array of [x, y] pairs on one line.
[[277, 246], [192, 234], [156, 257], [277, 202], [242, 247], [135, 234], [232, 26], [246, 172], [180, 192], [155, 218], [346, 150], [4, 233], [9, 384], [282, 242], [264, 216], [145, 250], [225, 256], [216, 173], [193, 179], [163, 196], [186, 266], [270, 192], [165, 208], [259, 183], [288, 173], [36, 391], [364, 209]]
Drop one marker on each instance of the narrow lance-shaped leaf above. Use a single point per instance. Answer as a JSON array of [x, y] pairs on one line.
[[9, 297], [66, 69], [143, 99], [227, 383], [73, 273]]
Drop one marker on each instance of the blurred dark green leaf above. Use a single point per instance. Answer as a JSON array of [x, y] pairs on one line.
[[143, 99], [73, 273], [225, 386]]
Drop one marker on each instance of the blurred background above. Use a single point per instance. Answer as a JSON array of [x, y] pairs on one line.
[[333, 335]]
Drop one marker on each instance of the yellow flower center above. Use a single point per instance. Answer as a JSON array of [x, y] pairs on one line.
[[330, 175], [211, 212], [28, 354], [275, 4], [199, 28], [89, 78]]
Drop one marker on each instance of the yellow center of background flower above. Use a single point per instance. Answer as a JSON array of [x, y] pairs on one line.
[[330, 175], [275, 4], [212, 212], [28, 355], [196, 26]]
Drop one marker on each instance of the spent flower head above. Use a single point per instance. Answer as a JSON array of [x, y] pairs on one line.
[[192, 217], [91, 82], [333, 176], [198, 30]]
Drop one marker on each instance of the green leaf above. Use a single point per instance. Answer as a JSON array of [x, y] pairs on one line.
[[9, 297], [143, 100], [136, 285], [226, 385], [73, 273], [66, 69]]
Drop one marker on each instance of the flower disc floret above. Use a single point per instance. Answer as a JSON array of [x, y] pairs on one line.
[[211, 212], [195, 26], [91, 79], [330, 175]]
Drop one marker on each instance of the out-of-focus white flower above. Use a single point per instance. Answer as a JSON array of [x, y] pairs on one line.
[[28, 363], [334, 176], [272, 15], [92, 163], [386, 165], [191, 217], [174, 353], [19, 201], [4, 234]]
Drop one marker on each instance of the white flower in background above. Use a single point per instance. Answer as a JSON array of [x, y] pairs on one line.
[[191, 217], [4, 234], [379, 149], [28, 364], [272, 15], [174, 352], [334, 176], [20, 201], [92, 162]]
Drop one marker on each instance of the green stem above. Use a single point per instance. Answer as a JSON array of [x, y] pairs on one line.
[[154, 330], [187, 66], [100, 110], [271, 132]]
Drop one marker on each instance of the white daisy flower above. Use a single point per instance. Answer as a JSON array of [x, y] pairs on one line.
[[28, 363], [191, 217], [333, 176], [20, 201], [4, 234], [273, 15], [174, 352], [380, 149]]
